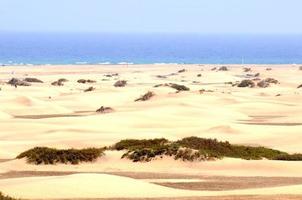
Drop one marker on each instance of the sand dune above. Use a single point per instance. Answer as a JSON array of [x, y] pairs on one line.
[[64, 117]]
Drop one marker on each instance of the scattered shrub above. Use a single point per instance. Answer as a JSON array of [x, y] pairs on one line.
[[111, 75], [194, 148], [246, 83], [59, 82], [161, 76], [179, 87], [33, 80], [131, 144], [16, 82], [223, 68], [120, 83], [45, 155], [89, 89], [246, 69], [271, 80], [263, 84], [182, 71], [288, 157], [86, 81], [146, 96], [63, 80], [104, 109], [4, 197]]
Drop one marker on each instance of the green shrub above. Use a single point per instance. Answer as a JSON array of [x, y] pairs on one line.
[[44, 155], [131, 144], [288, 157], [3, 197], [194, 148]]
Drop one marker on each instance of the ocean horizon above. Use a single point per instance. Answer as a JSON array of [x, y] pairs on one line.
[[106, 48]]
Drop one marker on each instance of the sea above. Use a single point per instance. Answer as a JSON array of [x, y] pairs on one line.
[[148, 48]]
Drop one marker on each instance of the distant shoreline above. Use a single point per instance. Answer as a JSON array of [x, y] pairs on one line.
[[155, 64]]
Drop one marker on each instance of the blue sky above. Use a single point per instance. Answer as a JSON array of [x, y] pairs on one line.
[[197, 16]]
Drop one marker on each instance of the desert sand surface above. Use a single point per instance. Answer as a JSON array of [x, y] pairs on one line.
[[65, 117]]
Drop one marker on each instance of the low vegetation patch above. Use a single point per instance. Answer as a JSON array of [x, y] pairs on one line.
[[16, 82], [194, 148], [104, 109], [145, 150], [146, 96], [45, 155], [4, 197], [33, 80], [59, 82], [86, 81], [120, 83], [287, 157], [246, 83], [89, 89]]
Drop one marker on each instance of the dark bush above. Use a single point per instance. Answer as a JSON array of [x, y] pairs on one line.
[[86, 81], [59, 82], [33, 80], [17, 82], [194, 148], [223, 68], [104, 109], [179, 87], [182, 71], [131, 144], [289, 157], [146, 96], [3, 197], [44, 155], [120, 83], [246, 83], [89, 89]]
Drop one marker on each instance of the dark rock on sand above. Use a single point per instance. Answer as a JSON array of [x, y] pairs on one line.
[[146, 96], [199, 75], [33, 80], [89, 89], [300, 86], [182, 71], [16, 82], [214, 68], [120, 83], [103, 109], [268, 69], [246, 83]]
